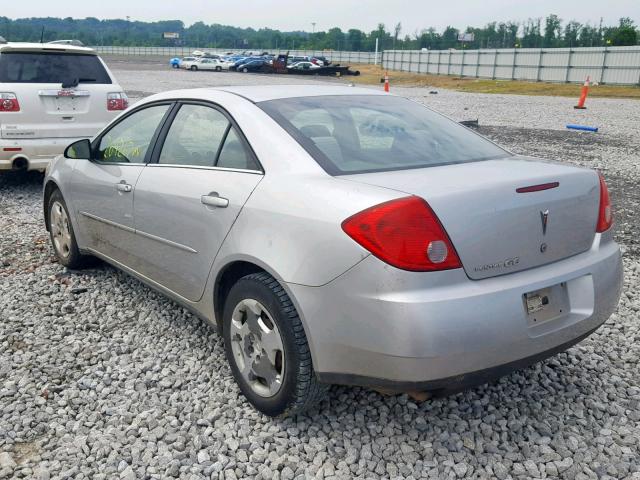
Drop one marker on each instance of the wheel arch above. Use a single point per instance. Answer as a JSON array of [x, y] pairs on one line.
[[232, 271]]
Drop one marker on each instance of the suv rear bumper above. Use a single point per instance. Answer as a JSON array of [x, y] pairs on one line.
[[34, 153]]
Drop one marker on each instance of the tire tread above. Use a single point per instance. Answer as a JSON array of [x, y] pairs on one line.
[[309, 391]]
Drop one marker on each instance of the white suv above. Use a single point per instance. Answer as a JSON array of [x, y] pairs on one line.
[[51, 96]]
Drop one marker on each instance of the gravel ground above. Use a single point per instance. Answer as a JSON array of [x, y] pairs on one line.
[[100, 377]]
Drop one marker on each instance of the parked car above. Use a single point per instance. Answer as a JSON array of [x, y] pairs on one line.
[[304, 66], [188, 62], [250, 66], [291, 60], [50, 96], [341, 235], [206, 64], [176, 62], [226, 63], [73, 41], [322, 61]]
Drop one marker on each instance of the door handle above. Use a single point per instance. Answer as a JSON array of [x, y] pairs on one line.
[[213, 200], [124, 187]]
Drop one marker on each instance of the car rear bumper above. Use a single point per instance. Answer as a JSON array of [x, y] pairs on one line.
[[379, 326], [36, 152]]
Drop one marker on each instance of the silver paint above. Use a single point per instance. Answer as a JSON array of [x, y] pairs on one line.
[[361, 316]]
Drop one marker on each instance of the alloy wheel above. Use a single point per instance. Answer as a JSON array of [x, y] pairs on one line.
[[60, 229], [257, 347]]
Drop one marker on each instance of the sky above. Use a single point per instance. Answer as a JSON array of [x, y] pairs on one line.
[[291, 15]]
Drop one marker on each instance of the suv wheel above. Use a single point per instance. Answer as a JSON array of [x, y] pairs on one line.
[[194, 68], [267, 349], [245, 70], [218, 68], [63, 239]]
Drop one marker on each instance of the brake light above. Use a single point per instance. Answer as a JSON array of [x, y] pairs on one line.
[[9, 102], [404, 233], [117, 101], [605, 214]]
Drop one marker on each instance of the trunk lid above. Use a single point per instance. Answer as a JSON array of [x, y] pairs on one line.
[[495, 229]]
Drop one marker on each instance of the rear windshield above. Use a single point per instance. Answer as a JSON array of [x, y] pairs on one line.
[[51, 67], [370, 133]]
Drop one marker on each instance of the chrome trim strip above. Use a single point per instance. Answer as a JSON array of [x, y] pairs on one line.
[[120, 164], [139, 232], [166, 242], [108, 222], [198, 167], [68, 93]]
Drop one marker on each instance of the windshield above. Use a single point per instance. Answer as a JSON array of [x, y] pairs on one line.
[[51, 67], [369, 133]]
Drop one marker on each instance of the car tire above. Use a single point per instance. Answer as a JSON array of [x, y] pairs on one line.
[[218, 69], [245, 70], [194, 68], [63, 239], [288, 384]]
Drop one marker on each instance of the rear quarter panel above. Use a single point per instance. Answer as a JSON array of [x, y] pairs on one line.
[[291, 225]]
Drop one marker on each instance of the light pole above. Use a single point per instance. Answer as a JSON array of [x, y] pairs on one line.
[[313, 31]]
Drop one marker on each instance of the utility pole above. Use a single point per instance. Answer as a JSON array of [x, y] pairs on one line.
[[313, 31]]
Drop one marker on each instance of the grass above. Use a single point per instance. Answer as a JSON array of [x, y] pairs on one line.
[[371, 74]]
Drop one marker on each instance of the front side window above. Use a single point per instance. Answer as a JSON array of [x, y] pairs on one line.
[[349, 134], [129, 140], [51, 67], [194, 137]]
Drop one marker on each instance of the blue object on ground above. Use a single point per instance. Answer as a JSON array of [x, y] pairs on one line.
[[582, 127], [174, 62]]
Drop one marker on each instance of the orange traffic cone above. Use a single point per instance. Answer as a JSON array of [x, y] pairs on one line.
[[583, 95], [386, 82]]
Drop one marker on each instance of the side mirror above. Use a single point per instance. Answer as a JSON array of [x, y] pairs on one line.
[[80, 150]]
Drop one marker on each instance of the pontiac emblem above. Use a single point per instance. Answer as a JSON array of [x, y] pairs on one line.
[[544, 218]]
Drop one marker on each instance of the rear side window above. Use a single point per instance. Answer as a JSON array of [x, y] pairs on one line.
[[202, 136], [51, 67], [370, 133], [234, 153]]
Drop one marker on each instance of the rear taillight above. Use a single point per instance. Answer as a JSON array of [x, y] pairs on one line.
[[9, 102], [404, 233], [117, 101], [605, 215]]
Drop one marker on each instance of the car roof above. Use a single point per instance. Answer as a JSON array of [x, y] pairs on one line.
[[262, 93], [44, 47]]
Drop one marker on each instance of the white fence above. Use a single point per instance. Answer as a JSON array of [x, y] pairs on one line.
[[334, 56], [615, 65]]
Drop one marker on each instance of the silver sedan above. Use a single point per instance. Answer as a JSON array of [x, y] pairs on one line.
[[338, 235]]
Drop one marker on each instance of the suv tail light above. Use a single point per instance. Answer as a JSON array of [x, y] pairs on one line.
[[404, 233], [605, 215], [9, 102], [117, 101]]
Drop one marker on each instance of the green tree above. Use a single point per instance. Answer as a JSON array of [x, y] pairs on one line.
[[552, 30], [531, 37], [571, 33], [624, 34]]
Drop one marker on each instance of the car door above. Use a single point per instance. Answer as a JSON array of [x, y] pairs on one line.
[[188, 197], [102, 189]]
